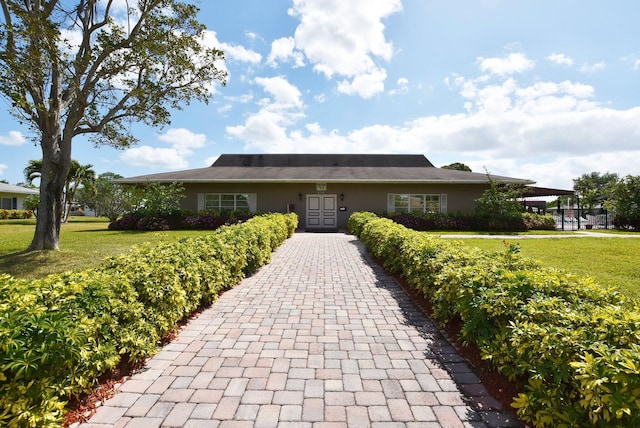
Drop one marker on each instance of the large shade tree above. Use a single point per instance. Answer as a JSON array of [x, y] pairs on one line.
[[90, 68]]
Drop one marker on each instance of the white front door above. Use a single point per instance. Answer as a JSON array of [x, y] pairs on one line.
[[322, 211]]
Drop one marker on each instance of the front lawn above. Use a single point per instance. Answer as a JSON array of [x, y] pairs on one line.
[[611, 261], [84, 242]]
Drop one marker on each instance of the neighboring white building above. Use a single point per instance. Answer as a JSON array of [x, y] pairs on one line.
[[13, 197]]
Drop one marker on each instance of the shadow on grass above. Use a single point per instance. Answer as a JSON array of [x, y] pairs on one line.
[[32, 264]]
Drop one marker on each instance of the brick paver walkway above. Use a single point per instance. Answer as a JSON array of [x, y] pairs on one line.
[[321, 337]]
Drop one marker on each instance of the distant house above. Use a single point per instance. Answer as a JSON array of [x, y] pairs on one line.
[[13, 197], [324, 189]]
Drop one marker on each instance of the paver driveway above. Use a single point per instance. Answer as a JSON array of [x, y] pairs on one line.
[[320, 337]]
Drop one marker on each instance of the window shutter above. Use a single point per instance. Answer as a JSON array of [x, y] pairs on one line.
[[443, 203], [200, 202], [390, 203], [253, 202]]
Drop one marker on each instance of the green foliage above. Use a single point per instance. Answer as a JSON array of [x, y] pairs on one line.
[[59, 334], [624, 200], [15, 214], [458, 166], [500, 200], [31, 202], [539, 222], [133, 69], [590, 187], [108, 199], [574, 344], [160, 199]]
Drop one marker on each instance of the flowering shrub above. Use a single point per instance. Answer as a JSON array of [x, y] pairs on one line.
[[15, 214], [474, 222]]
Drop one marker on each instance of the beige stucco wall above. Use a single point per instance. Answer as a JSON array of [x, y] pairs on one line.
[[357, 197]]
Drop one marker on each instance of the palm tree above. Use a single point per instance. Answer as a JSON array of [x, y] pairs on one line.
[[33, 170], [78, 174]]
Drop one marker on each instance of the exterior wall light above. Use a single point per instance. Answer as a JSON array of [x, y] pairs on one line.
[[342, 196]]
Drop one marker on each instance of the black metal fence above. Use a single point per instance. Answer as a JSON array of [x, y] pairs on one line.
[[583, 218]]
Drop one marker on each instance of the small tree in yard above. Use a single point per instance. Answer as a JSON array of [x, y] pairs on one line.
[[500, 200], [109, 199], [121, 68], [160, 199], [624, 201]]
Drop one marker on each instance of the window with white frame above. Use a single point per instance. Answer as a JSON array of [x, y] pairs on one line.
[[227, 202], [406, 203]]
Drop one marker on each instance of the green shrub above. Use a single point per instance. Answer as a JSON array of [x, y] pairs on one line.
[[574, 344], [15, 214], [59, 334]]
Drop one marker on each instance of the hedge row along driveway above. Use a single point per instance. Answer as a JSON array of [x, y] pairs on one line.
[[573, 344], [59, 334]]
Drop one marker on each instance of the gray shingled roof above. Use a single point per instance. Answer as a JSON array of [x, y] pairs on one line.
[[10, 188], [329, 168]]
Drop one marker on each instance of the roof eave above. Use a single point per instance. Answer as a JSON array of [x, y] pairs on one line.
[[320, 180]]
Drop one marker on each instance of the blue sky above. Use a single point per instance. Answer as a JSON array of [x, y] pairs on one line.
[[545, 90]]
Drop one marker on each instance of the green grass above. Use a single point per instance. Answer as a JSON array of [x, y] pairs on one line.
[[610, 260], [84, 242]]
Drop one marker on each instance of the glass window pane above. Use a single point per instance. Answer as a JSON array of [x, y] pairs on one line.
[[401, 203], [417, 203], [211, 202], [433, 203], [242, 202]]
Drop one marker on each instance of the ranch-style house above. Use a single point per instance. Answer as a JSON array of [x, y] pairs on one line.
[[325, 189]]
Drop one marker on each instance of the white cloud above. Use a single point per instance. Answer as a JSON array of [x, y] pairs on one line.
[[402, 87], [268, 127], [283, 49], [366, 85], [513, 63], [13, 138], [231, 51], [345, 38], [285, 94], [593, 68], [182, 142], [154, 158], [507, 127], [3, 168], [560, 59]]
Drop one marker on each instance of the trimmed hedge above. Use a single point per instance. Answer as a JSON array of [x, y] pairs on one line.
[[572, 344], [179, 220], [473, 222], [59, 334]]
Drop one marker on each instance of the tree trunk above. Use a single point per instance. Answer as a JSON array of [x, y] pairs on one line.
[[56, 161]]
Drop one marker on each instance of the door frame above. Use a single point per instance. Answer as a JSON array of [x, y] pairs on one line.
[[322, 217]]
